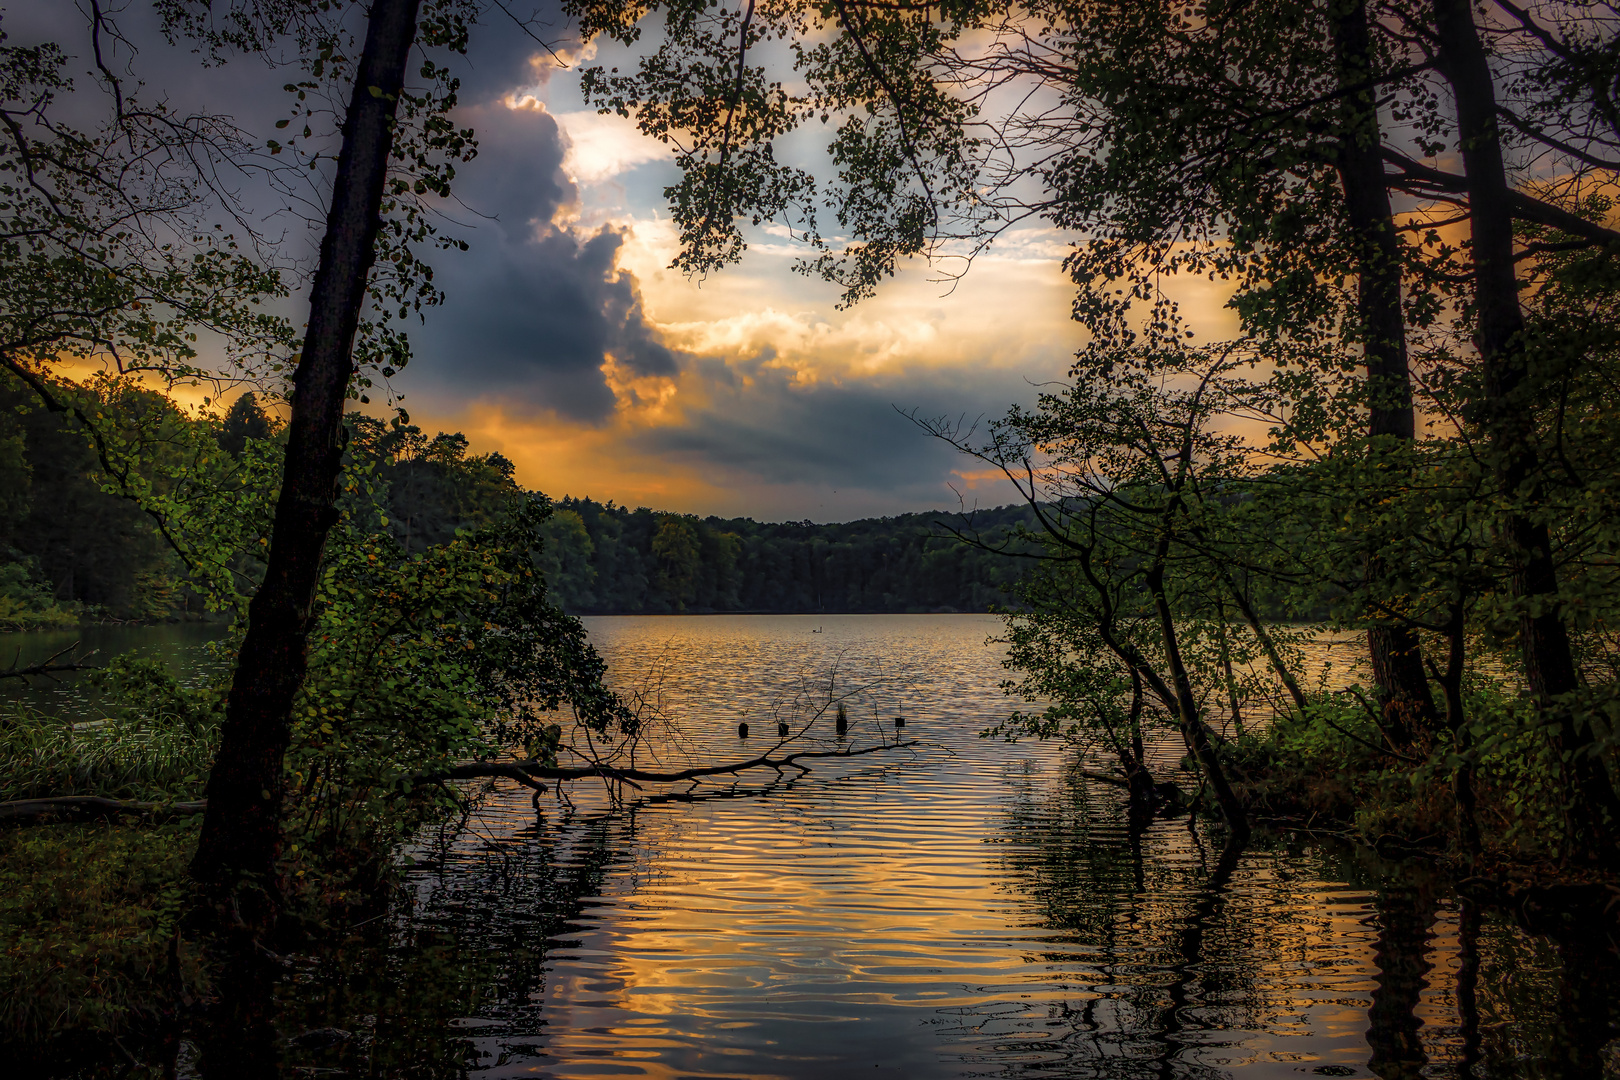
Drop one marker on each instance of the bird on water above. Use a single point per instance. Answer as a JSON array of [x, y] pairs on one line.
[[742, 731]]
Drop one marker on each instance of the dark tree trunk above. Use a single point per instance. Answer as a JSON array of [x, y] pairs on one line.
[[1397, 659], [1462, 778], [1144, 794], [1267, 643], [242, 829], [1549, 663], [1226, 669], [237, 1036]]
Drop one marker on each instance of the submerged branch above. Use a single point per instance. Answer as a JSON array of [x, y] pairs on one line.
[[46, 666], [34, 811]]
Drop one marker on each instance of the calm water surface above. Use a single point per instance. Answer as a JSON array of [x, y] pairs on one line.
[[963, 908]]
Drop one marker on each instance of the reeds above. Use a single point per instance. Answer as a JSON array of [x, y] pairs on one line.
[[120, 758]]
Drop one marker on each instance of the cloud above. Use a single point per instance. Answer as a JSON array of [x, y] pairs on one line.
[[771, 431], [745, 392], [601, 147], [536, 308], [748, 439]]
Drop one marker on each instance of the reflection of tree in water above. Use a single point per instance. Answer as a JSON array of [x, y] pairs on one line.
[[447, 981], [1136, 917], [1169, 958], [1405, 916]]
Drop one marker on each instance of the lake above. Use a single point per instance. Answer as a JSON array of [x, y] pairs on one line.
[[959, 908], [964, 908]]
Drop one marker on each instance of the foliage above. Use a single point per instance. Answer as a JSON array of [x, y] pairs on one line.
[[108, 256], [155, 741], [418, 661], [566, 561], [88, 917], [26, 602], [90, 547], [430, 489], [427, 143], [675, 553]]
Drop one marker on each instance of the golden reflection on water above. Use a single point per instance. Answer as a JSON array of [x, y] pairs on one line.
[[964, 908]]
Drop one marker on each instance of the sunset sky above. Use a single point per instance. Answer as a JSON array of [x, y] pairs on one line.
[[568, 345]]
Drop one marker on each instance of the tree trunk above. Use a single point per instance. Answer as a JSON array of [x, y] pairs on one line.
[[1226, 668], [1397, 659], [1462, 777], [1549, 663], [1144, 795], [1193, 730], [1268, 643], [242, 829]]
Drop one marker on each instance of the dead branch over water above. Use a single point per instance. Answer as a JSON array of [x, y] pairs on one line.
[[47, 666], [529, 772]]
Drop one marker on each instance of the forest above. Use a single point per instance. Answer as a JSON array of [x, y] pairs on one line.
[[612, 561], [1395, 436], [74, 552]]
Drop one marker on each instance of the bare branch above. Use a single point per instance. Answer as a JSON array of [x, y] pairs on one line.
[[46, 667], [525, 771]]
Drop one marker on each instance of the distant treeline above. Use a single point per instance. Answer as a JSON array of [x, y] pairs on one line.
[[70, 550], [607, 559]]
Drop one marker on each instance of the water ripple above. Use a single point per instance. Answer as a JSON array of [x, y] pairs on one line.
[[964, 909]]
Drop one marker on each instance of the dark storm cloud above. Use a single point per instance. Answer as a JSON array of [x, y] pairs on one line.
[[502, 49], [849, 435], [533, 309]]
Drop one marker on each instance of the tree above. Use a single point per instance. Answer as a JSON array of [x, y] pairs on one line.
[[1509, 375], [109, 255], [1276, 147], [1126, 480], [676, 553], [242, 829], [244, 420], [565, 561]]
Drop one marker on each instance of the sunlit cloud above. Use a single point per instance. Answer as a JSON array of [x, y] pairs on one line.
[[602, 147]]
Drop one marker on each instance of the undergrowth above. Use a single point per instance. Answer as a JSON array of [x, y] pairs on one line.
[[89, 925], [1333, 768], [156, 741]]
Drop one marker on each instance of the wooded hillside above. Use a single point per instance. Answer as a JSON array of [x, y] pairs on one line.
[[71, 550]]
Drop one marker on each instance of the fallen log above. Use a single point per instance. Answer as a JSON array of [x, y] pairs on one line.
[[90, 806], [1105, 778], [530, 771]]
